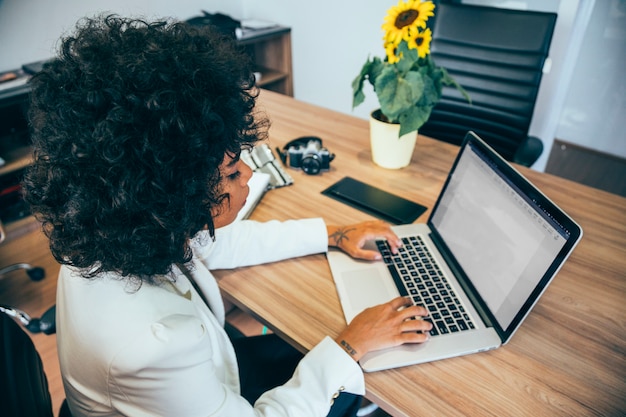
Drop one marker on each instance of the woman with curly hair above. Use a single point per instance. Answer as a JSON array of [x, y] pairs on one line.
[[137, 129]]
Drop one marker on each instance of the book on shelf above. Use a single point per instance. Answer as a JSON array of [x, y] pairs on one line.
[[253, 28]]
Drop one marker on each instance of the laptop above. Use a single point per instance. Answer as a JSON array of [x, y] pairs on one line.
[[489, 249]]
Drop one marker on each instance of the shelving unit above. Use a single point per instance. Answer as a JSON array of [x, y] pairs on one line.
[[16, 154], [17, 159], [270, 50]]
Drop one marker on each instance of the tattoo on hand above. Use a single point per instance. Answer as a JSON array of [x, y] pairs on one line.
[[348, 348], [340, 235]]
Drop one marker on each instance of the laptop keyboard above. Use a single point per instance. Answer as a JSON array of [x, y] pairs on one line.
[[418, 276]]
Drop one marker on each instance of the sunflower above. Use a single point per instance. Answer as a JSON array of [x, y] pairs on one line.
[[390, 49], [421, 42], [406, 82], [404, 17]]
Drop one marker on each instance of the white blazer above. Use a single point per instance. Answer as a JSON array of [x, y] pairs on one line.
[[159, 350]]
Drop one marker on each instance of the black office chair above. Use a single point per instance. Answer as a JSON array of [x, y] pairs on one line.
[[498, 56], [24, 385], [23, 382]]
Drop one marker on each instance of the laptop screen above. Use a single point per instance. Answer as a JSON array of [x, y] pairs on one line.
[[506, 237]]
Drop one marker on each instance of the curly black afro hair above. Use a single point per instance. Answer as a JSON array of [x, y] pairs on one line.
[[130, 124]]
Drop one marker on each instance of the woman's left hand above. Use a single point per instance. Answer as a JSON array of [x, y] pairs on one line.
[[352, 238]]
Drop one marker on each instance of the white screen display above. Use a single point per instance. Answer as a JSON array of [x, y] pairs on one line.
[[503, 242]]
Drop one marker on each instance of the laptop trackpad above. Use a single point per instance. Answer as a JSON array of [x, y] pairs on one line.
[[368, 287]]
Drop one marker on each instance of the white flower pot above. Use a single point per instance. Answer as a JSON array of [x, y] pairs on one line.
[[389, 150]]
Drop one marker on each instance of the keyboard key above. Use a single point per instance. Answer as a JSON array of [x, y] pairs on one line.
[[415, 273], [441, 326]]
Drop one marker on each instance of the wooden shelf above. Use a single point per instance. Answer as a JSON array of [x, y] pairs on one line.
[[270, 76], [21, 227], [16, 159], [270, 50], [16, 153]]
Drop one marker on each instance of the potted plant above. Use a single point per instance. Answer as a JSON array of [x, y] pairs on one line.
[[407, 82]]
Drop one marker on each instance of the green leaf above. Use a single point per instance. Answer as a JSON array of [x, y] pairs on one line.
[[432, 94], [448, 80], [370, 72], [394, 94], [358, 97], [415, 82], [357, 85], [409, 58], [413, 119], [375, 69], [408, 90]]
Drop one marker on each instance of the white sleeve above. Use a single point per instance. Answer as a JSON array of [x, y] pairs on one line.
[[323, 373], [248, 242]]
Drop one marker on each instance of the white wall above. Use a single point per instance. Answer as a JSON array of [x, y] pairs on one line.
[[30, 29], [331, 40], [594, 111], [582, 100]]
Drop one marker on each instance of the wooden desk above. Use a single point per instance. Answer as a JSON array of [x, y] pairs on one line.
[[567, 359]]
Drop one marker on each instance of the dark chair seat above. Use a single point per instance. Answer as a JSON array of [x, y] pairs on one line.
[[24, 385]]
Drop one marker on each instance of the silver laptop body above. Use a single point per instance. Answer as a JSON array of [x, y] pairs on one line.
[[497, 242]]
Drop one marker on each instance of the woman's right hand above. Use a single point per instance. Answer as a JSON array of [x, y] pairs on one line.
[[384, 326]]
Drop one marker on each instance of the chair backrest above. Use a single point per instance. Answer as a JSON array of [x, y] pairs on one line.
[[497, 55], [23, 383]]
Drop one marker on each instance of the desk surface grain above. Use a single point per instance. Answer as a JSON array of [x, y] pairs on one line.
[[567, 359]]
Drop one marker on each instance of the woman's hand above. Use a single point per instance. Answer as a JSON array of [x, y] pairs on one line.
[[351, 238], [387, 325]]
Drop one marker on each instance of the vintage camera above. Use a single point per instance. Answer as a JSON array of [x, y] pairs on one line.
[[308, 154]]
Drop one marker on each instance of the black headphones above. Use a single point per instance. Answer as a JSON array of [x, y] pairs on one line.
[[307, 153]]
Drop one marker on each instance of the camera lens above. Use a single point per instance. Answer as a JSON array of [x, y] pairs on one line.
[[311, 164]]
